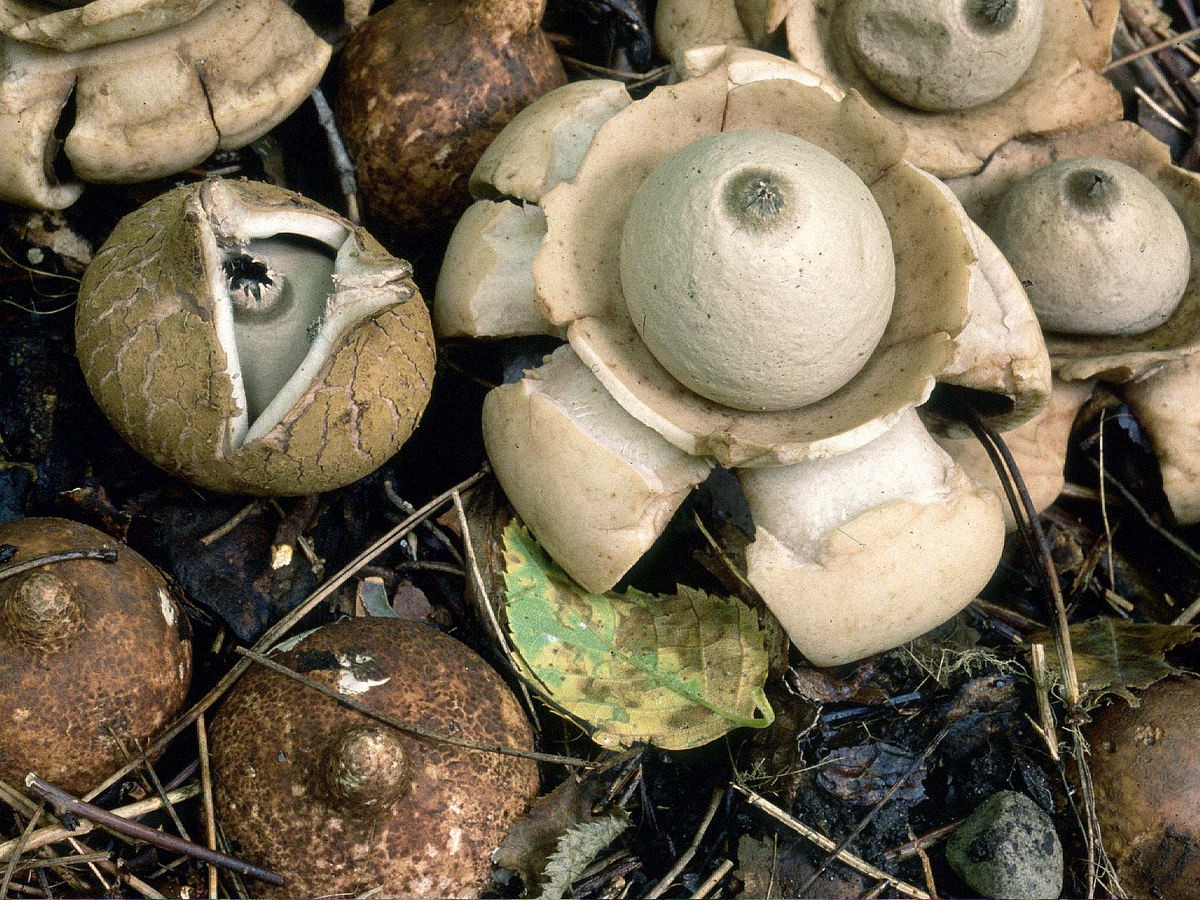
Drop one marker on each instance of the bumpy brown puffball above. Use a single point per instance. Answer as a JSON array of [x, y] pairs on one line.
[[1146, 774], [339, 804], [426, 85], [94, 656]]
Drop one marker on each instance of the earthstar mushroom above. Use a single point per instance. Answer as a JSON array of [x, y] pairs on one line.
[[94, 656], [155, 86], [626, 427], [339, 803], [250, 340]]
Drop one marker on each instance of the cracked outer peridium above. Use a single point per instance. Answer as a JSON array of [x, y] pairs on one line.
[[70, 712], [149, 339], [433, 840], [155, 89]]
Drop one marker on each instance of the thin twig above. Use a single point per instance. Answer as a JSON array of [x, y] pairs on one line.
[[230, 524], [104, 554], [682, 863], [206, 803], [1177, 542], [286, 624], [857, 863], [1041, 684], [1108, 534], [399, 725], [50, 862], [22, 842], [486, 599], [883, 801], [341, 159], [136, 830], [1186, 617], [1166, 44], [711, 882], [920, 842]]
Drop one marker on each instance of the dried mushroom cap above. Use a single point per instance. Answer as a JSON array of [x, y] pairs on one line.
[[865, 550], [594, 485], [250, 340], [1097, 246], [1039, 447], [943, 55], [425, 87], [577, 271], [94, 656], [296, 775], [1146, 776], [682, 24], [156, 86], [1061, 88], [736, 234], [1110, 357]]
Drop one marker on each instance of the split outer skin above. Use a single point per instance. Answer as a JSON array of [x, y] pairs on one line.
[[1146, 776], [159, 85], [425, 87], [125, 671], [1117, 358], [433, 841], [149, 348], [1062, 88]]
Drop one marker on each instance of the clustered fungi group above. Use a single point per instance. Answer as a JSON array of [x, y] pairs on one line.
[[772, 265]]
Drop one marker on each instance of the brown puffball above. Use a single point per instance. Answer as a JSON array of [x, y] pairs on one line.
[[1146, 774], [426, 85], [94, 656], [339, 804]]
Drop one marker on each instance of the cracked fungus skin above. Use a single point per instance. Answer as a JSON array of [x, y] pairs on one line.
[[269, 738], [122, 671], [149, 342]]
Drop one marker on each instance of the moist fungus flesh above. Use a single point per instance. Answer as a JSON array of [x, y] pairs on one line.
[[338, 803], [252, 341], [94, 656]]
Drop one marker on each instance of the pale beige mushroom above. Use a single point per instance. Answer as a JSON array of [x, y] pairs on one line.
[[682, 24], [1113, 357], [1166, 403], [1039, 447], [157, 86], [863, 551], [956, 309], [594, 485], [1061, 88]]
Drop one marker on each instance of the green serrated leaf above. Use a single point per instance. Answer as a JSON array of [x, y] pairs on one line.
[[578, 847], [676, 671], [1113, 655]]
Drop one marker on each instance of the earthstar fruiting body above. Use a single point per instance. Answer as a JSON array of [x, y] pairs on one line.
[[250, 340], [340, 804], [425, 86], [630, 439], [94, 656], [157, 86]]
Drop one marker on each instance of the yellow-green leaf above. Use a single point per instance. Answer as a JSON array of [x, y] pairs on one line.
[[1113, 655], [675, 671]]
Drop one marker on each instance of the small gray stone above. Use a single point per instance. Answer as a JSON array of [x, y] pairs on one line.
[[1008, 848]]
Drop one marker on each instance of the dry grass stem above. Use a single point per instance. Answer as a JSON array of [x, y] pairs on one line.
[[682, 863], [206, 802], [711, 882], [22, 844], [392, 721], [856, 863], [1041, 685], [233, 522]]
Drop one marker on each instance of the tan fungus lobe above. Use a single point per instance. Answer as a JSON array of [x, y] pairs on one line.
[[158, 86]]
